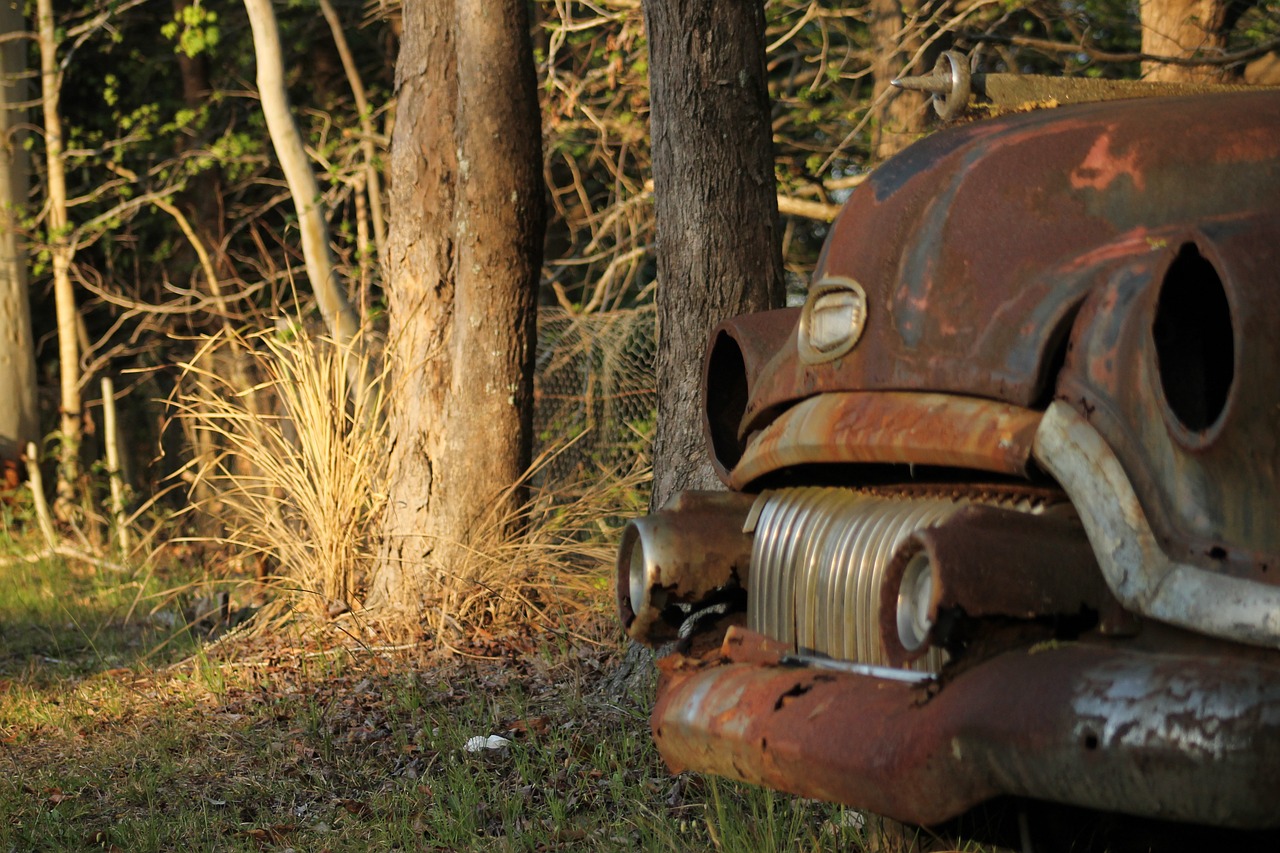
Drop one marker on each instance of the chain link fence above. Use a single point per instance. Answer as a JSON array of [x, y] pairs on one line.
[[594, 382]]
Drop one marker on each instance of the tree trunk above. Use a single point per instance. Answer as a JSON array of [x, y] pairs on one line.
[[70, 422], [716, 207], [339, 317], [19, 417], [900, 116], [464, 255], [1183, 29]]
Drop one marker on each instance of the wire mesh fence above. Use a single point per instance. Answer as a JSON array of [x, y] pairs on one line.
[[595, 383]]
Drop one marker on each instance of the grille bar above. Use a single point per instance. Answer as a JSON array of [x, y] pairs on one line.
[[818, 560]]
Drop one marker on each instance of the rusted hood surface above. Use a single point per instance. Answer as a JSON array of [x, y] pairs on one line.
[[977, 245]]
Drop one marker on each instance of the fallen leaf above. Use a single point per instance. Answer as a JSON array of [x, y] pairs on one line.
[[356, 807], [531, 725], [273, 835]]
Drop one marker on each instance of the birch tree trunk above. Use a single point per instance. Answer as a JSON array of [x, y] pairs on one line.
[[464, 255], [339, 317], [19, 417], [372, 184], [70, 422]]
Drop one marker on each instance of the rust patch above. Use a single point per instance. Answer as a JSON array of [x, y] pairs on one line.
[[979, 234], [987, 561], [679, 558]]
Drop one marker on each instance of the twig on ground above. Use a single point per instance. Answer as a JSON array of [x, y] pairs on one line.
[[36, 481], [65, 553]]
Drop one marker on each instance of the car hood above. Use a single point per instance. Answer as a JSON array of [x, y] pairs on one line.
[[977, 246]]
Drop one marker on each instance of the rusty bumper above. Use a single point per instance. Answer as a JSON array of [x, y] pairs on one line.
[[1175, 737]]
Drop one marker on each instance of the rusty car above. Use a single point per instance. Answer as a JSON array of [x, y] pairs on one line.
[[1002, 504]]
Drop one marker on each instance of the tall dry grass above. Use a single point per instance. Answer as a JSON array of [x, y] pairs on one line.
[[295, 456], [549, 561], [293, 470]]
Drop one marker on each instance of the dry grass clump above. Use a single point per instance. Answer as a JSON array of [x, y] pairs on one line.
[[294, 453], [544, 563], [290, 465]]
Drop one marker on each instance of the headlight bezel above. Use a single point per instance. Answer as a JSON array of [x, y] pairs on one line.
[[833, 319]]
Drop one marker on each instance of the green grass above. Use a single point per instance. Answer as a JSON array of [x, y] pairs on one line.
[[317, 743], [59, 619]]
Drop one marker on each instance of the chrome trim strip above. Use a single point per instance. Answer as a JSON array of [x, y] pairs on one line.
[[887, 673], [817, 563]]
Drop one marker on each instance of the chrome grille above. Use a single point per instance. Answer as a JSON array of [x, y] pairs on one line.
[[818, 560]]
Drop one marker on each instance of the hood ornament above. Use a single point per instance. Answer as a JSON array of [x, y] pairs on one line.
[[953, 85]]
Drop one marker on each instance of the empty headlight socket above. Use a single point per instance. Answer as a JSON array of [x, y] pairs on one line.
[[1194, 345]]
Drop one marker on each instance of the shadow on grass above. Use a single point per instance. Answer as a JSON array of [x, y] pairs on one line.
[[120, 732], [63, 620]]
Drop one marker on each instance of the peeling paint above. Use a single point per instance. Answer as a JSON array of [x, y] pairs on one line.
[[1101, 167]]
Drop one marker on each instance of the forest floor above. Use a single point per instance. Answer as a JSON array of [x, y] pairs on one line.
[[122, 727]]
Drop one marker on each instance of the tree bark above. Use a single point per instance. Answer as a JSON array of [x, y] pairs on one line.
[[900, 117], [464, 255], [715, 201], [19, 417], [1183, 28], [339, 317]]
